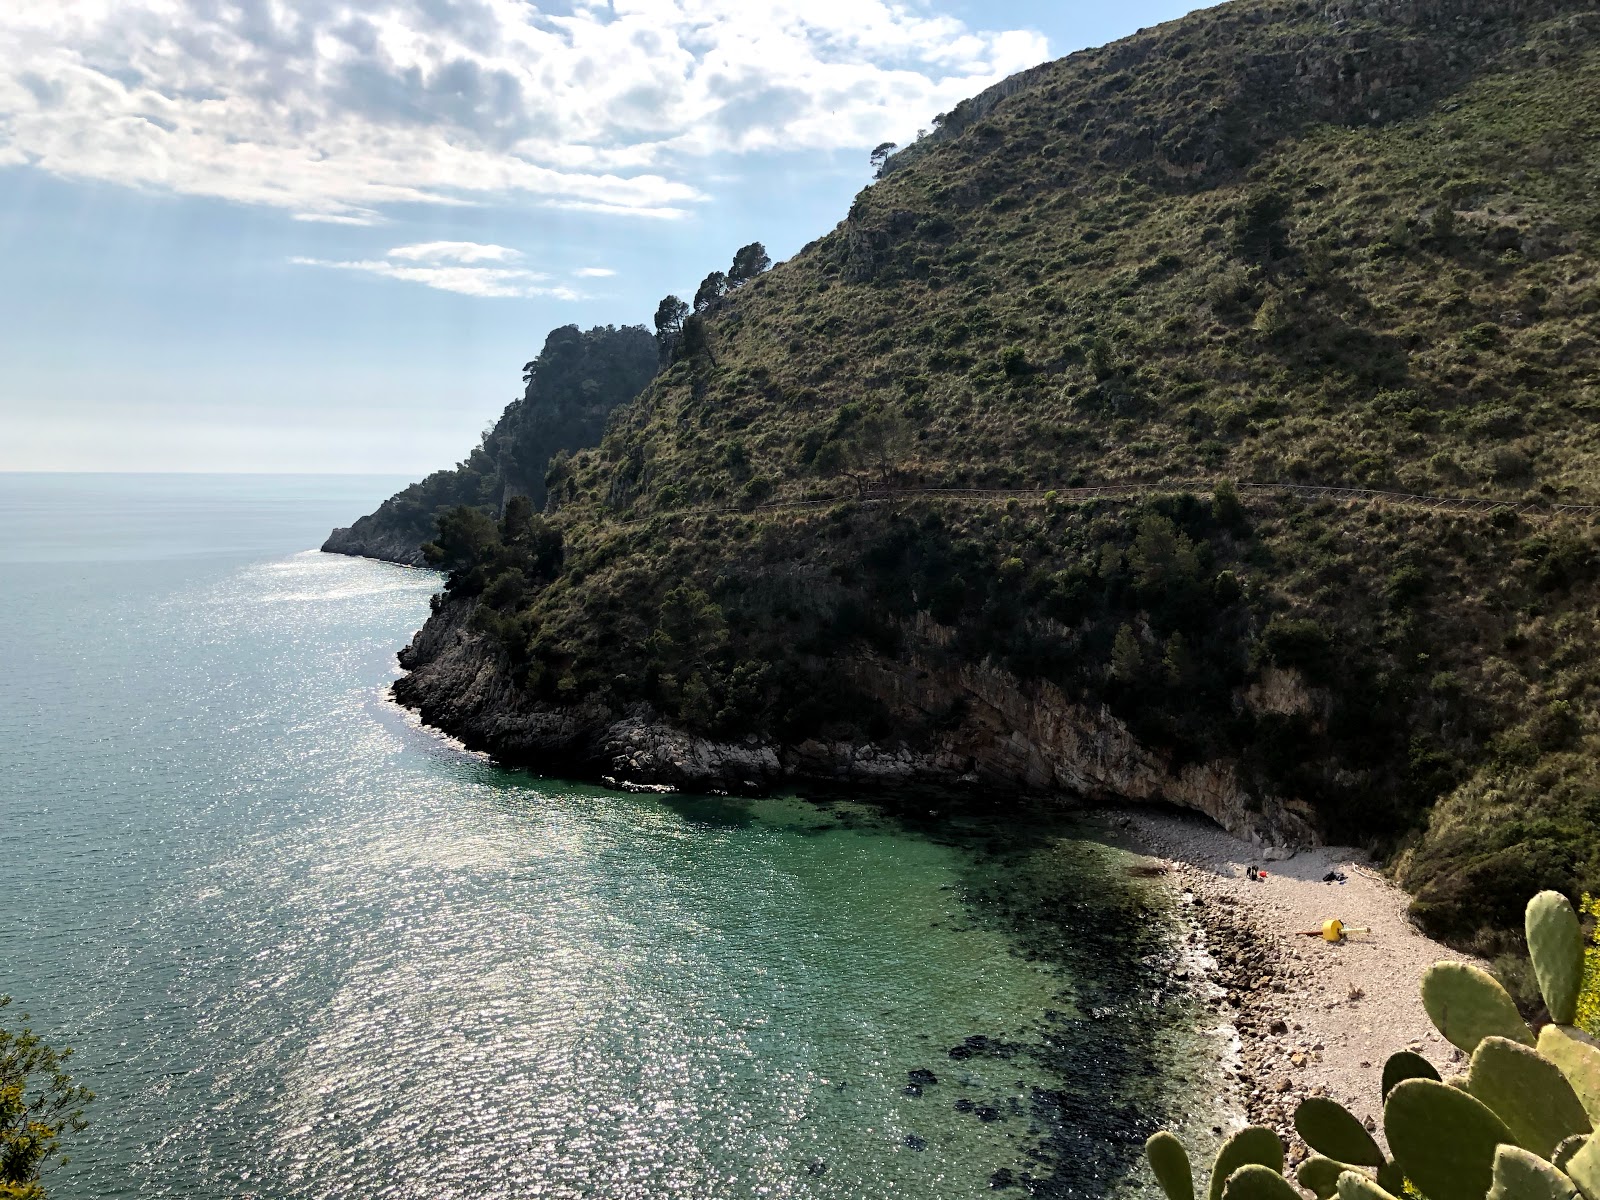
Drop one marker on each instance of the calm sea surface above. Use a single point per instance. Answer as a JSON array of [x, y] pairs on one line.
[[307, 949]]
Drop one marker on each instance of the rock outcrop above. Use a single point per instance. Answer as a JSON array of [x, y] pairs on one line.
[[370, 537], [1012, 737]]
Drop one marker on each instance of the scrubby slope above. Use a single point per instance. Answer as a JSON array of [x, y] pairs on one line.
[[1349, 243], [577, 381]]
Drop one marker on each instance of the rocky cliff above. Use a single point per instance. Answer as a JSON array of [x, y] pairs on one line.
[[1012, 737]]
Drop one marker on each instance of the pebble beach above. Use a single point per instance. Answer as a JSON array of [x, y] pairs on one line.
[[1313, 1017]]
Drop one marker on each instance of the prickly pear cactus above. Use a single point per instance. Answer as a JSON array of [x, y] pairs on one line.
[[1255, 1182], [1529, 1093], [1332, 1130], [1565, 1152], [1555, 940], [1256, 1145], [1519, 1175], [1355, 1186], [1406, 1065], [1443, 1139], [1583, 1168], [1170, 1162], [1467, 1004], [1320, 1176], [1578, 1056]]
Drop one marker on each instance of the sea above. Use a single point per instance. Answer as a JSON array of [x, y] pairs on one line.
[[304, 947]]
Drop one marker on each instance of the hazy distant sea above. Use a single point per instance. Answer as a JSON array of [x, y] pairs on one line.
[[307, 949]]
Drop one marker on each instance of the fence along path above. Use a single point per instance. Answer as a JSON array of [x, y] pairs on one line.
[[887, 493]]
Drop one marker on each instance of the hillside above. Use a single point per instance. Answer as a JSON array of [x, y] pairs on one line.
[[574, 384], [1349, 243]]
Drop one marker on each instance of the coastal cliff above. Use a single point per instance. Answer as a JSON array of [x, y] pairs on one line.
[[1013, 737], [847, 532], [574, 385]]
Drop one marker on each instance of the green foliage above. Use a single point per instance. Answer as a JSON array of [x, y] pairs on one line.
[[1331, 1130], [1320, 1176], [1256, 1145], [1528, 1092], [39, 1104], [1253, 1182], [578, 379], [1467, 1004], [1170, 1162], [1567, 1151], [1555, 941], [1300, 643], [1443, 1139], [712, 288], [1519, 1175], [748, 262], [1578, 1056], [466, 537], [1587, 1010], [1403, 1065], [1354, 1186], [669, 322], [1583, 1168]]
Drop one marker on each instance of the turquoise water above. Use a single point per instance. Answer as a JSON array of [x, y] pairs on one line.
[[308, 949]]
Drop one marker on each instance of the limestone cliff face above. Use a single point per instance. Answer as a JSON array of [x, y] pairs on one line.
[[1011, 737]]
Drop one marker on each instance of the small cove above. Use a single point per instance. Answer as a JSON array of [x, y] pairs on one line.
[[307, 948]]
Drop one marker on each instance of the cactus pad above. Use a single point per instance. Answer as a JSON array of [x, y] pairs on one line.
[[1519, 1175], [1555, 939], [1529, 1093], [1443, 1138], [1330, 1129], [1256, 1144], [1170, 1161], [1578, 1056], [1256, 1182], [1320, 1176], [1467, 1004], [1583, 1168], [1355, 1186], [1566, 1150], [1406, 1065]]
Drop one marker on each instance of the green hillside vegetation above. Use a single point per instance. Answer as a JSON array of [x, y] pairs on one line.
[[1349, 244], [576, 382]]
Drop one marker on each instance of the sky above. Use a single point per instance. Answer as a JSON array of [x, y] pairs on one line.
[[324, 235]]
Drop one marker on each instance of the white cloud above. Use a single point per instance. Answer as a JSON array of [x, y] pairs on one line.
[[491, 282], [594, 272], [338, 110], [340, 218], [461, 252]]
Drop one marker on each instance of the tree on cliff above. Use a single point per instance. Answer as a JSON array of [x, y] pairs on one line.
[[748, 262], [712, 288], [38, 1103], [578, 380], [669, 324]]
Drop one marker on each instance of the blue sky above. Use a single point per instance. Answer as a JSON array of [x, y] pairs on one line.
[[324, 235]]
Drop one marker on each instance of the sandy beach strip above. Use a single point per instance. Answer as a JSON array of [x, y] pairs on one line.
[[1313, 1017]]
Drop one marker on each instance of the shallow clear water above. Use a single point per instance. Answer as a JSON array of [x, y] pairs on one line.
[[307, 949]]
